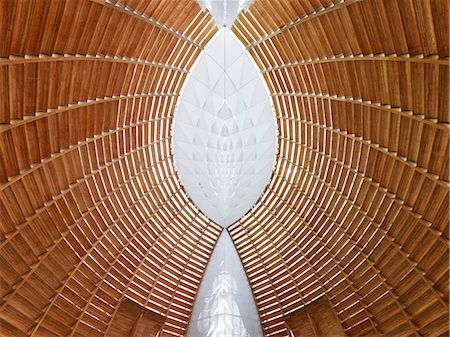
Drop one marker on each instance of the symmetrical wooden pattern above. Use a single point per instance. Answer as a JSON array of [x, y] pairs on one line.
[[358, 207], [91, 210]]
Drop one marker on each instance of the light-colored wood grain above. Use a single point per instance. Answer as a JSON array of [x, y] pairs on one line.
[[357, 210], [89, 198], [92, 214]]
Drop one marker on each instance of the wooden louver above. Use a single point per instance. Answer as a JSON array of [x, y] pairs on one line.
[[358, 209], [91, 210], [317, 319], [134, 320]]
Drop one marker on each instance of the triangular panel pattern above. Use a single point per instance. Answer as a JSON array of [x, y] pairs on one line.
[[224, 136], [225, 12], [225, 306]]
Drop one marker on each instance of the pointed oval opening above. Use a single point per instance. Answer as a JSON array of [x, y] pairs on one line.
[[224, 132]]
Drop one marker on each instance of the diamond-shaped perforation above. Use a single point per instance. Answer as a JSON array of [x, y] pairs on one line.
[[224, 132]]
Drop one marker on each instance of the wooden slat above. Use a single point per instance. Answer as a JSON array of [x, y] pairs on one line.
[[360, 92], [89, 197]]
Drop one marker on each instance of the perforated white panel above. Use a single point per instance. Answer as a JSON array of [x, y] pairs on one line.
[[224, 134]]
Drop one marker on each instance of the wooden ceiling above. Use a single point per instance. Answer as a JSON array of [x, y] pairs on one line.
[[91, 209], [357, 209]]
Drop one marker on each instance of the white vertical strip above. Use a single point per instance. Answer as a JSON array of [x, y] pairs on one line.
[[225, 306]]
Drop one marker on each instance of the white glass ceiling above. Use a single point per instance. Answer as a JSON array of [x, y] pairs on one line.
[[224, 306], [225, 12], [224, 132]]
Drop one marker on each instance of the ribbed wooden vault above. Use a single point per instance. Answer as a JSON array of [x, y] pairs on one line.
[[91, 210], [357, 209]]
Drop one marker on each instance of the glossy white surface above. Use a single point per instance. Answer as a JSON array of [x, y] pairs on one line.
[[224, 132], [225, 306]]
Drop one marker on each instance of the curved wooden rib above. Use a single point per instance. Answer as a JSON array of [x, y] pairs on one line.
[[91, 209], [89, 198], [357, 208]]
